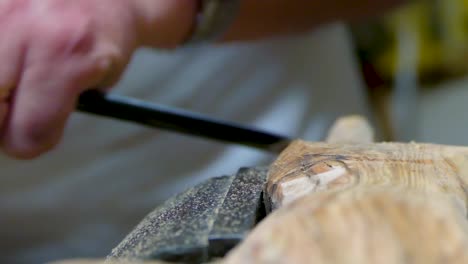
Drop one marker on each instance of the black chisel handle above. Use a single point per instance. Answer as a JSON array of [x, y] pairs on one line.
[[162, 117]]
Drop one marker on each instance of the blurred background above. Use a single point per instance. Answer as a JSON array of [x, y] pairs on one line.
[[415, 63]]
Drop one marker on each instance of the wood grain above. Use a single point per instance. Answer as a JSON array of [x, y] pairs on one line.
[[352, 130], [359, 226], [314, 167], [353, 201]]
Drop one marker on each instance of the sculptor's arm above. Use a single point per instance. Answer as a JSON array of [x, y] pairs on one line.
[[53, 50], [265, 18]]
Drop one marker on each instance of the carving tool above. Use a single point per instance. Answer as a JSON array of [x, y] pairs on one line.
[[178, 120]]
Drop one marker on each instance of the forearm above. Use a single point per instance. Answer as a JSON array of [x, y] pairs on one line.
[[168, 23], [266, 18]]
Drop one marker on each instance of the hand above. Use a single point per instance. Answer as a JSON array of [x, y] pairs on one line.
[[52, 50]]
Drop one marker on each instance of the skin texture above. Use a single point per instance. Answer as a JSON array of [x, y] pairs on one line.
[[52, 50]]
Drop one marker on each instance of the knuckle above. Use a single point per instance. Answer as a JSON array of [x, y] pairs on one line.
[[109, 65], [113, 53], [74, 37]]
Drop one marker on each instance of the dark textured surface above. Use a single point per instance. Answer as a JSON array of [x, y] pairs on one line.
[[241, 210], [178, 230]]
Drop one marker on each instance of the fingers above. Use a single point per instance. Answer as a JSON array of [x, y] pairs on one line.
[[46, 94], [42, 105], [10, 67], [67, 49]]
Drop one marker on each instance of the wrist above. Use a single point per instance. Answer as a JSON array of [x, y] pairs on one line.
[[164, 23]]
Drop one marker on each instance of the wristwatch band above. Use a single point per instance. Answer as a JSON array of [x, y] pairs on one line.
[[213, 20]]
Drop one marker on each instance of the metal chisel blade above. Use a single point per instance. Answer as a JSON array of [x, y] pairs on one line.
[[177, 120]]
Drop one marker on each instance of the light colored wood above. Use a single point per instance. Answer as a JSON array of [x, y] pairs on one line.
[[353, 201], [346, 130], [314, 167], [360, 227], [351, 129]]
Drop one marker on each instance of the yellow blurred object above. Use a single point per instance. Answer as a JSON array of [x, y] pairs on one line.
[[440, 31]]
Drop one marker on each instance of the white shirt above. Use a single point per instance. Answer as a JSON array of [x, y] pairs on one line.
[[81, 199]]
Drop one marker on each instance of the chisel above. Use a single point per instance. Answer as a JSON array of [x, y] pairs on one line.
[[178, 120]]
